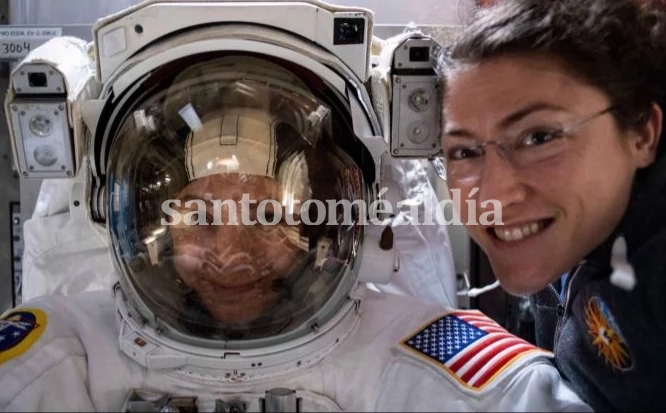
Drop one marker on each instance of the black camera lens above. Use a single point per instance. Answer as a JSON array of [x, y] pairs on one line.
[[348, 31], [419, 54], [37, 79]]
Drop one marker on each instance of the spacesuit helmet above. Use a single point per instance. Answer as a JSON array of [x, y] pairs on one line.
[[225, 181]]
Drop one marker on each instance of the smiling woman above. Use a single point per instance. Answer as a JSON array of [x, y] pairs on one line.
[[553, 110]]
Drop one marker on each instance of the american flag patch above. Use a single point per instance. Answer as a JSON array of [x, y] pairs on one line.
[[470, 347]]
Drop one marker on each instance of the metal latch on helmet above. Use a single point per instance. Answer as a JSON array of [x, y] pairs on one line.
[[275, 400], [136, 403], [280, 400], [98, 202]]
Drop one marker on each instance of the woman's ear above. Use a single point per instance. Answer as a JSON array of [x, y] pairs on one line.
[[644, 147]]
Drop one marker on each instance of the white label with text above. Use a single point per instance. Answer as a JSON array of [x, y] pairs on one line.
[[17, 42]]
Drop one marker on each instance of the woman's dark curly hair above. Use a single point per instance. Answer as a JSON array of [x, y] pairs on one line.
[[618, 46]]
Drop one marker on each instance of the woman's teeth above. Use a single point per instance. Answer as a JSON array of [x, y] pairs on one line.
[[519, 232]]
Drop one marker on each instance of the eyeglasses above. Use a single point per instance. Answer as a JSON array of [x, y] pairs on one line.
[[527, 150]]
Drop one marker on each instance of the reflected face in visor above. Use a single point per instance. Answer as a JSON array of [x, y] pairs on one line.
[[236, 270], [224, 132]]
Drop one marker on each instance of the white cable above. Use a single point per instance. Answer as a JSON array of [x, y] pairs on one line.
[[475, 292]]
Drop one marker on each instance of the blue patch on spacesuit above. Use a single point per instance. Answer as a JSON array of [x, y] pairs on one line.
[[18, 332]]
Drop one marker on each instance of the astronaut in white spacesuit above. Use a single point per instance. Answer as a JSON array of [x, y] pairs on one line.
[[252, 317], [231, 294]]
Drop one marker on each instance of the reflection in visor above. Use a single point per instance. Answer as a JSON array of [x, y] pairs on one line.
[[219, 132]]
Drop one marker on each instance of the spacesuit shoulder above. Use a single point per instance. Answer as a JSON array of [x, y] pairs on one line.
[[41, 338], [470, 349]]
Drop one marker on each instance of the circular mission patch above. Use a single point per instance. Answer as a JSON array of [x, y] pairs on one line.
[[19, 330]]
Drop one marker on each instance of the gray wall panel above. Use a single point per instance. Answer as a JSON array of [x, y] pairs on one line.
[[44, 12]]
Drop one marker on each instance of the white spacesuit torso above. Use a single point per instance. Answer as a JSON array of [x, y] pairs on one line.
[[62, 353]]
